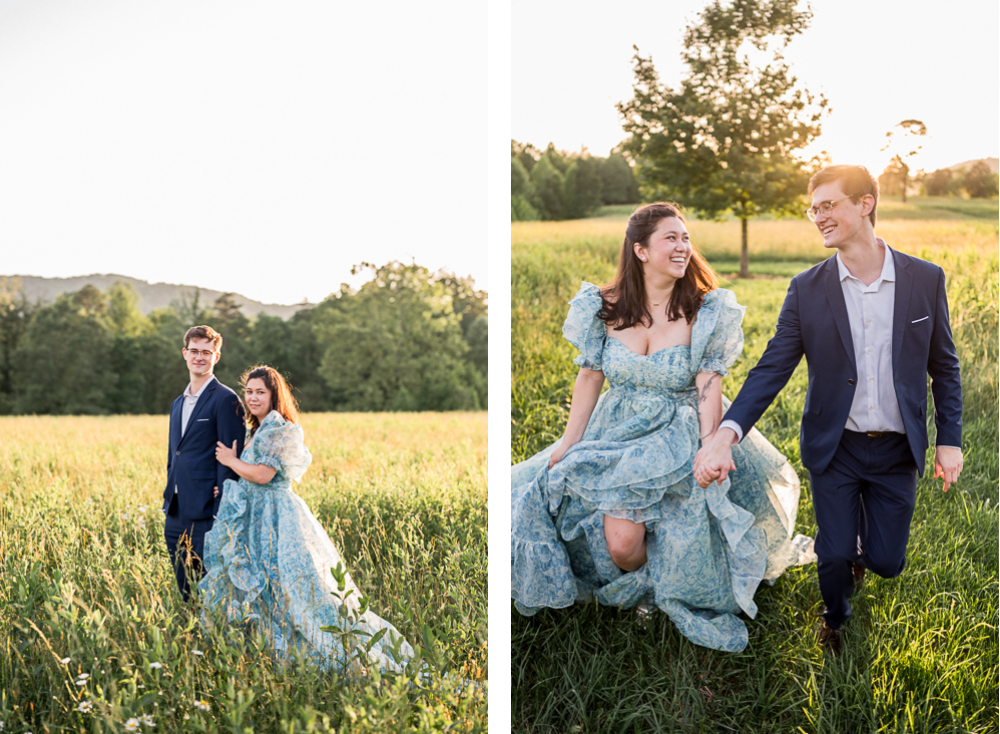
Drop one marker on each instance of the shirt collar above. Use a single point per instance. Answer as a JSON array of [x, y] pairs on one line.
[[888, 265], [187, 392]]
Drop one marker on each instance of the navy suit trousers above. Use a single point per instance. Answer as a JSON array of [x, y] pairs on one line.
[[186, 546], [864, 503]]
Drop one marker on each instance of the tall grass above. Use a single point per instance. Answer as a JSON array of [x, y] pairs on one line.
[[84, 578], [921, 650]]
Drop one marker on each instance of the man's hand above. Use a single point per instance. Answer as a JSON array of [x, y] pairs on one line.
[[714, 459], [947, 464]]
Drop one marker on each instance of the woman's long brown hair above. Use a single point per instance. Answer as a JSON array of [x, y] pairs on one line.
[[625, 296], [281, 395]]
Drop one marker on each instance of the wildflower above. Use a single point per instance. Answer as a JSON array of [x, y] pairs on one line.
[[80, 682], [197, 652], [85, 707], [83, 676], [203, 705], [156, 666], [187, 716], [64, 661], [147, 720], [132, 725]]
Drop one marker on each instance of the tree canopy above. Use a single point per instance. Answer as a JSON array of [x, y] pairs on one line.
[[726, 141]]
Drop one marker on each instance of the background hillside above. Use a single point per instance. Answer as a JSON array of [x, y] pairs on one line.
[[151, 295]]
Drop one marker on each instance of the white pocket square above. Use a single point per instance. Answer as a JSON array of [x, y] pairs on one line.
[[917, 321], [205, 419]]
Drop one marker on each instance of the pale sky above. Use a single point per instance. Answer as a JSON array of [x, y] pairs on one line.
[[878, 62], [255, 147]]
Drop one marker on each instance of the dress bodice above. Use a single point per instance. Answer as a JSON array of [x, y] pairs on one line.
[[666, 373], [716, 342]]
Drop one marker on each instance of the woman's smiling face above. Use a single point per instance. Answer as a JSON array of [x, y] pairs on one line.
[[668, 250], [258, 398]]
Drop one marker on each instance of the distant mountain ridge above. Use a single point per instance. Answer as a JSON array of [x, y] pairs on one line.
[[993, 163], [151, 295]]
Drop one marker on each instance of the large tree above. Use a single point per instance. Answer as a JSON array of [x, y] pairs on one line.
[[726, 140], [396, 344]]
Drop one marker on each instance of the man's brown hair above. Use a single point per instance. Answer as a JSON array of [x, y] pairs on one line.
[[856, 182], [204, 332]]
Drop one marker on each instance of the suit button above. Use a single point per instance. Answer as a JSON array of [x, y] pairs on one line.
[[178, 453], [849, 382]]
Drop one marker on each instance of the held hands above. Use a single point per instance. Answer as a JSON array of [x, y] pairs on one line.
[[224, 454], [215, 492], [947, 464], [714, 459]]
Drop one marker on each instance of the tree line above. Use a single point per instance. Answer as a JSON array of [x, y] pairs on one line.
[[554, 184], [976, 182], [406, 340]]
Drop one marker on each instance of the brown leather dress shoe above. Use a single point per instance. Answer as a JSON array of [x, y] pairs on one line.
[[859, 575], [829, 638]]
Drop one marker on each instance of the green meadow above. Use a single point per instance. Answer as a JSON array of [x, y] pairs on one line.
[[921, 650], [93, 633]]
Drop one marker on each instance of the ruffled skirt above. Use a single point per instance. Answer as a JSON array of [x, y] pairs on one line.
[[707, 549], [269, 564]]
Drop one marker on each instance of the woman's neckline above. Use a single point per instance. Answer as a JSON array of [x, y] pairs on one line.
[[651, 354]]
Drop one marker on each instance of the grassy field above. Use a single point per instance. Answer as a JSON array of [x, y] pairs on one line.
[[84, 578], [921, 650]]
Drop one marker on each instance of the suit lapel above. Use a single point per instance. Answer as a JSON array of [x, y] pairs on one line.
[[198, 407], [835, 297], [900, 305], [175, 421]]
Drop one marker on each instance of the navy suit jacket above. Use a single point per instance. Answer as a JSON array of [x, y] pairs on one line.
[[191, 464], [814, 322]]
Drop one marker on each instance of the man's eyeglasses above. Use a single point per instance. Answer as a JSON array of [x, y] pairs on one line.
[[207, 354], [824, 206]]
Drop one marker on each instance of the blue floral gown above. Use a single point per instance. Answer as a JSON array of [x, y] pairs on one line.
[[707, 549], [268, 560]]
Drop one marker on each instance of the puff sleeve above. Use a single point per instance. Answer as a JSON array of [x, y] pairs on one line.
[[280, 446], [719, 341], [583, 329]]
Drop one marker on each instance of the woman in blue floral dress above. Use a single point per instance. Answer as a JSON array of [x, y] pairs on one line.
[[269, 560], [612, 509]]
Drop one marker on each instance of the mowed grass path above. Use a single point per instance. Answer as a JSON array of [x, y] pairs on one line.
[[921, 650], [84, 575]]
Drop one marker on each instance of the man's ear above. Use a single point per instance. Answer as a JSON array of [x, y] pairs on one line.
[[867, 204]]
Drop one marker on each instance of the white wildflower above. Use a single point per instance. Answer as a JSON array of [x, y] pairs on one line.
[[156, 666], [132, 725], [197, 652], [187, 716], [80, 682], [83, 676], [203, 705], [64, 661], [85, 707], [147, 720]]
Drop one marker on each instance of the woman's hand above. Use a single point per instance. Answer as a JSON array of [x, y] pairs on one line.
[[557, 455], [215, 492], [225, 455]]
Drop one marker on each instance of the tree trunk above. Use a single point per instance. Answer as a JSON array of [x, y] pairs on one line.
[[744, 256], [904, 185]]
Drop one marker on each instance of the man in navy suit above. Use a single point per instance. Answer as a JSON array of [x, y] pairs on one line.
[[872, 324], [207, 412]]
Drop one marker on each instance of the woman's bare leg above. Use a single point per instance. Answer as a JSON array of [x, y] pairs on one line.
[[626, 542]]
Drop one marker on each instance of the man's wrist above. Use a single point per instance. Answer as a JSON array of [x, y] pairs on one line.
[[737, 431]]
